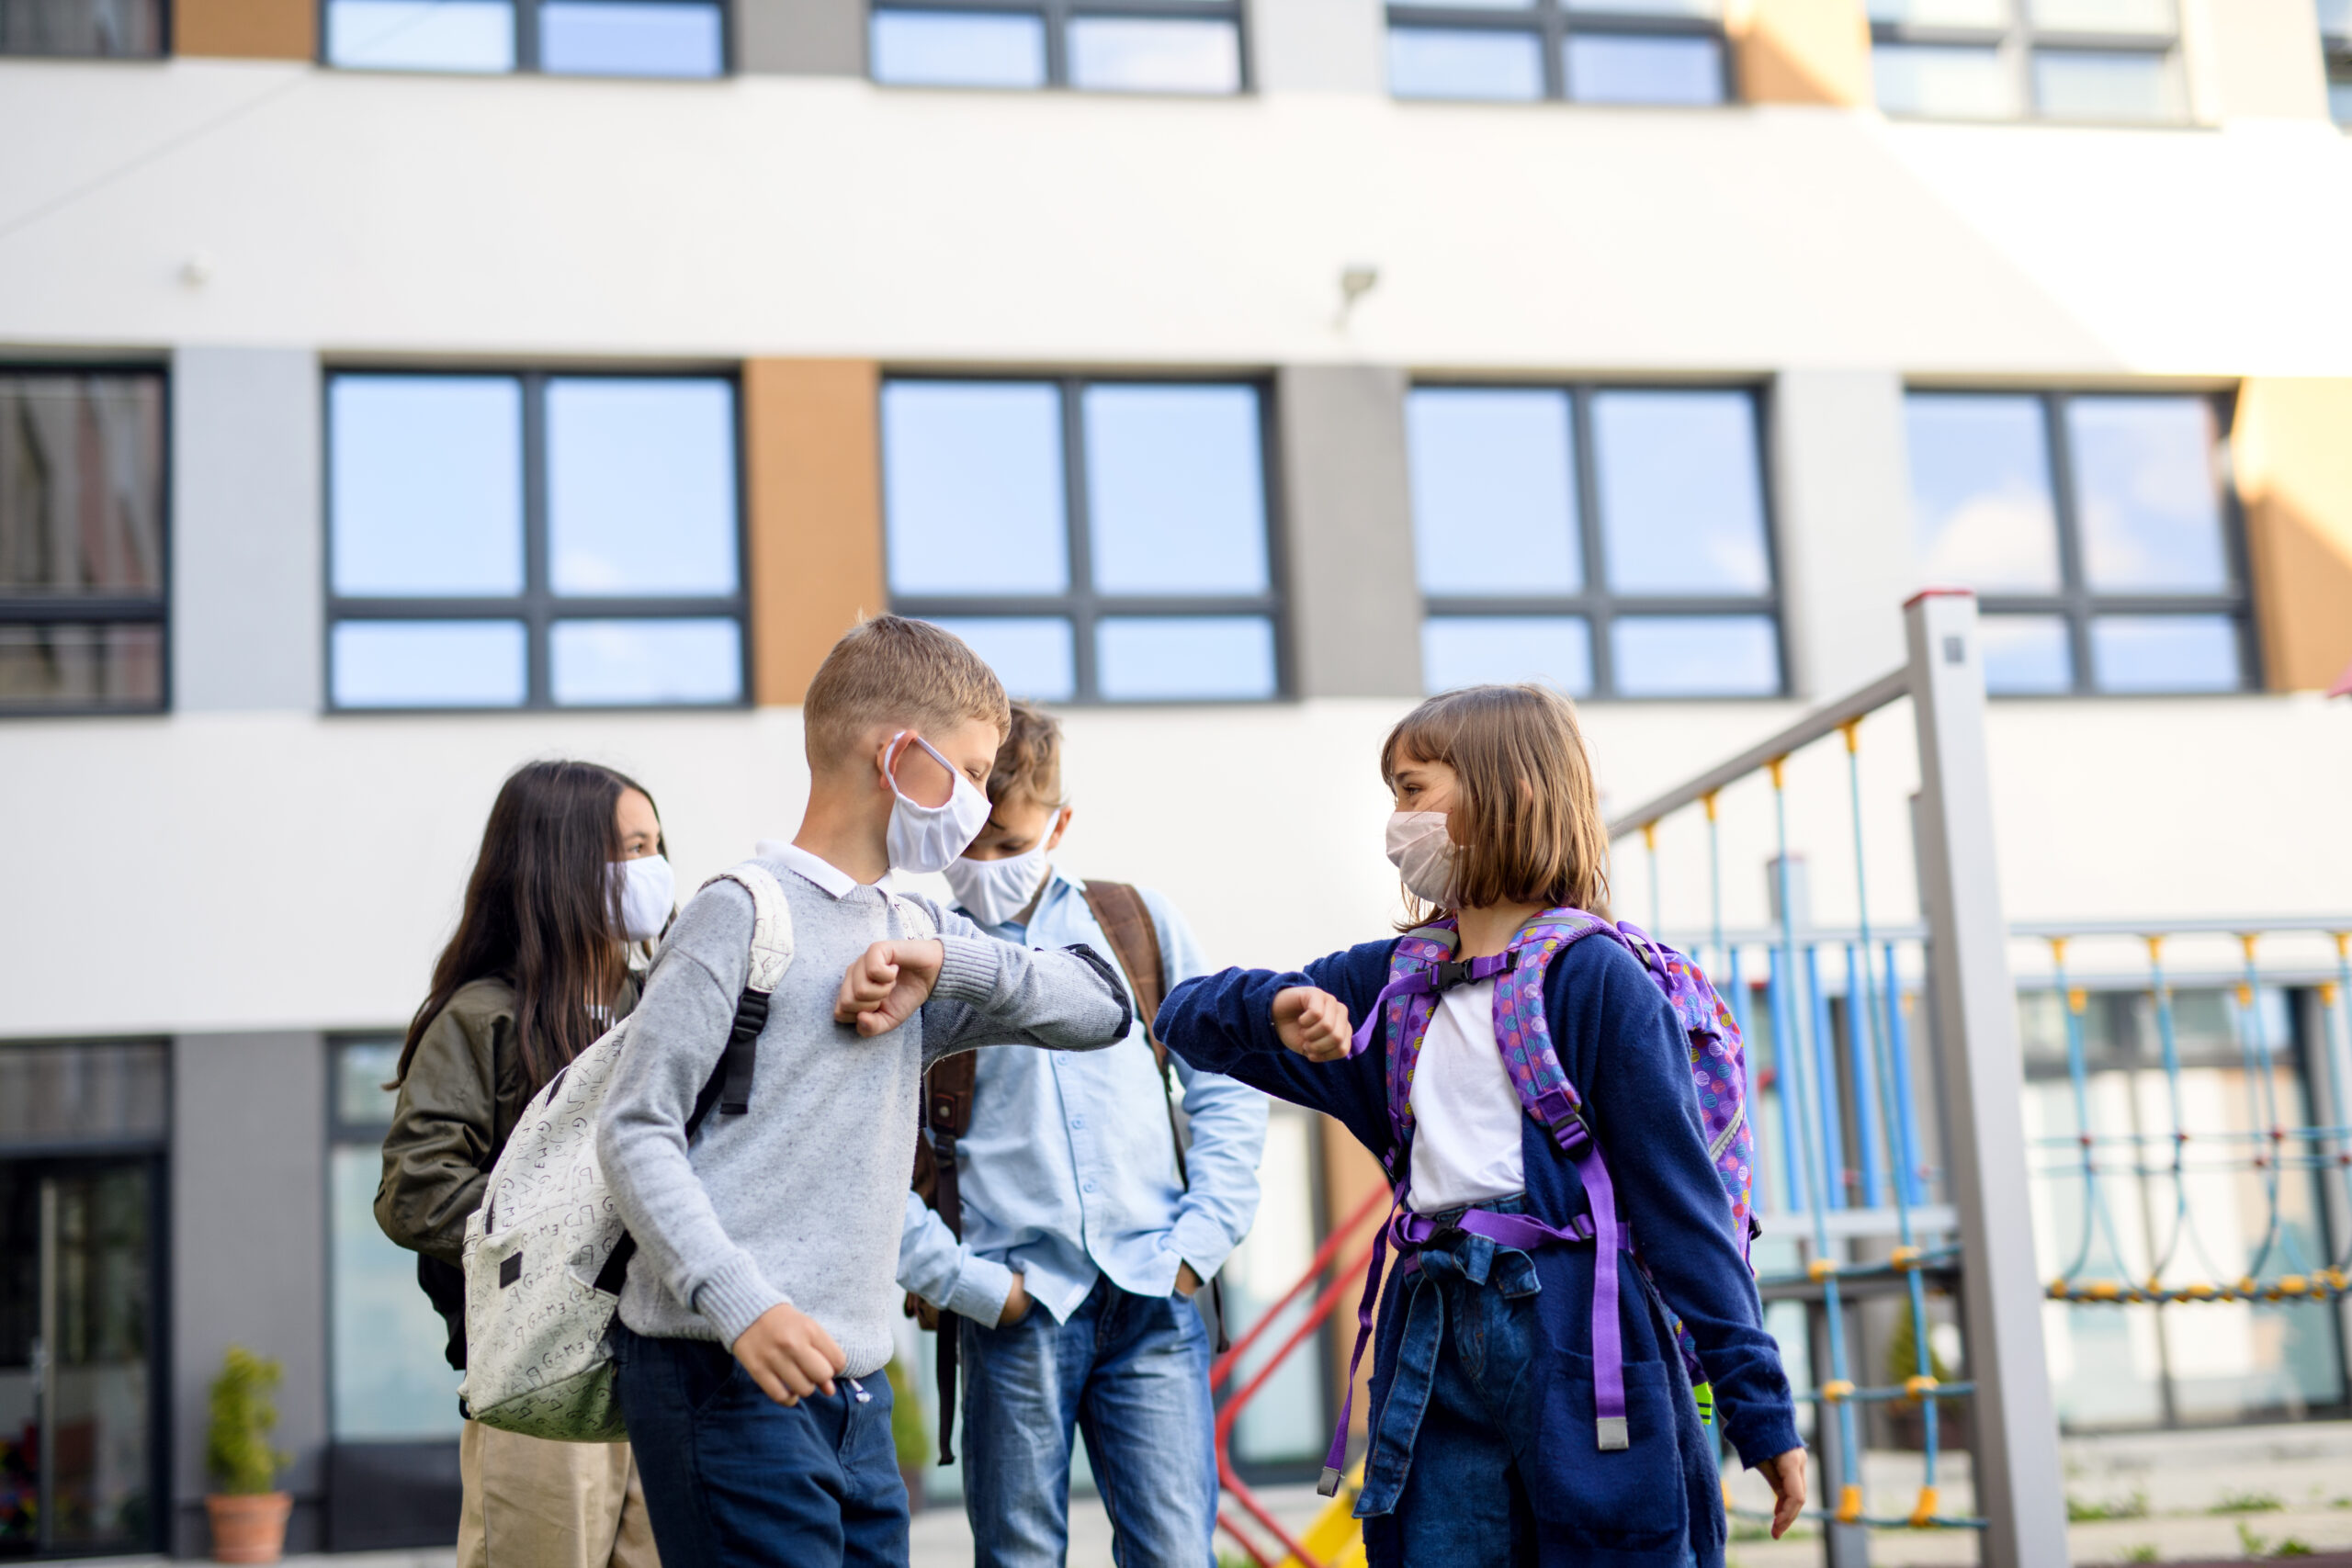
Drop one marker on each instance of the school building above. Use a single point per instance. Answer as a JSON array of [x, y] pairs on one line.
[[395, 390]]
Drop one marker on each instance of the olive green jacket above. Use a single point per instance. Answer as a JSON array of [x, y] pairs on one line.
[[465, 1089]]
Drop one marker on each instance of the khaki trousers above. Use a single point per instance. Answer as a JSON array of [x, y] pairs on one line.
[[531, 1503]]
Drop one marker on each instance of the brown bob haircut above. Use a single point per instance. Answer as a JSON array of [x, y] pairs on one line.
[[893, 670], [1526, 826]]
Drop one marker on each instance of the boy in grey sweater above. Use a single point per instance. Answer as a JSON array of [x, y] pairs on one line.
[[758, 1304]]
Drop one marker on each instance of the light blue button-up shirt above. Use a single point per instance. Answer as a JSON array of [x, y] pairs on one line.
[[1069, 1173]]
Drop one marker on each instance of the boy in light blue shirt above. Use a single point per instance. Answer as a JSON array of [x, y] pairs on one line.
[[1081, 1244]]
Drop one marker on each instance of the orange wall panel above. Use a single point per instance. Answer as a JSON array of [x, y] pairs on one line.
[[2293, 450], [1802, 51], [246, 29], [813, 496]]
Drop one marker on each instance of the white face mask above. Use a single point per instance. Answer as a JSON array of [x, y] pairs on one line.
[[993, 891], [648, 887], [1421, 850], [930, 838]]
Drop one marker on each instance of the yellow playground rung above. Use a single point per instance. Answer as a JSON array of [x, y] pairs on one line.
[[1336, 1537]]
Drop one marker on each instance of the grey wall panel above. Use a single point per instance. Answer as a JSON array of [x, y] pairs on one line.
[[1843, 507], [1320, 46], [247, 535], [1355, 607], [800, 38], [249, 1259], [2266, 59]]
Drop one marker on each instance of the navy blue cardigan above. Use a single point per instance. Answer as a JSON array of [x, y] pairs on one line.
[[1618, 1044]]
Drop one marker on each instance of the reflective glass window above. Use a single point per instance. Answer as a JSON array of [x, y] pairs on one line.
[[2140, 17], [2093, 60], [1696, 656], [1982, 507], [1493, 481], [421, 35], [632, 38], [1676, 557], [1155, 54], [1440, 63], [1942, 81], [1474, 650], [528, 540], [2335, 38], [96, 29], [1611, 68], [1185, 658], [1942, 13], [1176, 490], [1682, 492], [82, 545], [2097, 84], [1094, 540], [2118, 579], [958, 49]]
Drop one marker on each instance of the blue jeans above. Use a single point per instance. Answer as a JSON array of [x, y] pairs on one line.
[[1132, 1375], [732, 1477]]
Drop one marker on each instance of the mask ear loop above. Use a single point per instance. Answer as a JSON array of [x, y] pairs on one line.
[[898, 755]]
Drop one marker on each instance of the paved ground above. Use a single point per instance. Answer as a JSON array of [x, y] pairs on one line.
[[2175, 1497]]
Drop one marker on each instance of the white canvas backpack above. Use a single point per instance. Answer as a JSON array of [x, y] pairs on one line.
[[546, 1255]]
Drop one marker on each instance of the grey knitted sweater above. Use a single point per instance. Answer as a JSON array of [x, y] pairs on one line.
[[802, 1199]]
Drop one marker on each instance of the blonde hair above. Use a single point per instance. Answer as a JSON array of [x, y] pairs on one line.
[[1030, 760], [892, 670], [1527, 825]]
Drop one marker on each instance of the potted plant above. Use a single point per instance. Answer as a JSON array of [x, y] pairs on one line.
[[248, 1514]]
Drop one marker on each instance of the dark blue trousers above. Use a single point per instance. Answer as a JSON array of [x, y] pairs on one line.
[[732, 1477]]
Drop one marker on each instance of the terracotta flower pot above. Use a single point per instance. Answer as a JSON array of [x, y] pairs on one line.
[[250, 1527]]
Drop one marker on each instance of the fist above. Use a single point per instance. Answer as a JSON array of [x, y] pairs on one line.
[[886, 983], [788, 1354], [1312, 1022]]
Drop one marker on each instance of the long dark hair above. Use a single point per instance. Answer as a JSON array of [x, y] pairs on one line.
[[542, 912]]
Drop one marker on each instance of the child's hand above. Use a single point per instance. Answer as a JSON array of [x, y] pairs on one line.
[[788, 1354], [1786, 1474], [887, 983], [1312, 1022], [1016, 1303]]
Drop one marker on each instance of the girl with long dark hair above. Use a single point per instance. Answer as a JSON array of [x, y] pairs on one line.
[[571, 882]]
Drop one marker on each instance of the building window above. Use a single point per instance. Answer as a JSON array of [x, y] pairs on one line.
[[1096, 541], [82, 555], [1591, 51], [1610, 540], [2111, 60], [2096, 529], [533, 541], [2335, 37], [1104, 46], [567, 37], [83, 30], [391, 1378]]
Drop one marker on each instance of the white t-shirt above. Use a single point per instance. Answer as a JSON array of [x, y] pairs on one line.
[[1465, 1113]]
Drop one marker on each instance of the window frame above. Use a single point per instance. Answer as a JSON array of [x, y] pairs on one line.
[[1593, 601], [33, 609], [1057, 17], [1552, 24], [165, 43], [1081, 604], [538, 608], [2075, 602], [2336, 52], [2018, 40], [527, 50]]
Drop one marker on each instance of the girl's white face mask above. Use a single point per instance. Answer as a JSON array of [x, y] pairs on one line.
[[922, 838], [649, 888], [1421, 849], [993, 891]]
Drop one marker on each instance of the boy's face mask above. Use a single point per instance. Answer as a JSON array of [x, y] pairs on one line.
[[930, 838], [648, 887], [993, 891], [1421, 849]]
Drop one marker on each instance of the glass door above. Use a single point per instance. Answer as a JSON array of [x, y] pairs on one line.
[[77, 1391]]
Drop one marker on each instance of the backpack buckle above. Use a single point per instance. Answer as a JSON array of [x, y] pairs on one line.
[[1452, 971]]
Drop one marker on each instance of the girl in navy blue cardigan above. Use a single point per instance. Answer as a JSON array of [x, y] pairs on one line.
[[1486, 1398]]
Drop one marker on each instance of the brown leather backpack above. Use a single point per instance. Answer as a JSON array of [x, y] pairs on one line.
[[946, 1113]]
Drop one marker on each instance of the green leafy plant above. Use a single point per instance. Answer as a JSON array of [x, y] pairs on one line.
[[2144, 1553], [2251, 1543], [1903, 1354], [908, 1433], [236, 1448], [2294, 1546], [2247, 1503], [2134, 1506]]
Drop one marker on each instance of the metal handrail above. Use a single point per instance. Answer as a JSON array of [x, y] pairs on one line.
[[1222, 1371]]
